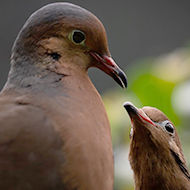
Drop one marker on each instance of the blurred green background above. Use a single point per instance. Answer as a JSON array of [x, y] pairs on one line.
[[162, 82]]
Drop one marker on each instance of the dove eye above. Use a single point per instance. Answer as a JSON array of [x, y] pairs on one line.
[[169, 127], [77, 37]]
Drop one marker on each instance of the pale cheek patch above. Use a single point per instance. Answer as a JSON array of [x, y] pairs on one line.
[[53, 44], [173, 146]]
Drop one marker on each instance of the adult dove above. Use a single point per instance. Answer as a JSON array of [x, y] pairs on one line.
[[156, 155], [54, 131]]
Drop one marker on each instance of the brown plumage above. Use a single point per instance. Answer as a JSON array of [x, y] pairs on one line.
[[156, 155], [54, 131]]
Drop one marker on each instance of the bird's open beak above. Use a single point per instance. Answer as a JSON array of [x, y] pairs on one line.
[[108, 65], [137, 114]]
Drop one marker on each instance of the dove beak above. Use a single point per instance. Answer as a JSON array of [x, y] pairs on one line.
[[137, 114], [108, 65]]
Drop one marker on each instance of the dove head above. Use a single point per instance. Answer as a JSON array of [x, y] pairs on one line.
[[156, 155], [66, 37]]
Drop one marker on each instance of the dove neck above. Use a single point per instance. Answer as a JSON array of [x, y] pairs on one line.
[[26, 72], [154, 166]]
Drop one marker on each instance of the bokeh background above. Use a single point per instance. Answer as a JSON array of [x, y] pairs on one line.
[[150, 41]]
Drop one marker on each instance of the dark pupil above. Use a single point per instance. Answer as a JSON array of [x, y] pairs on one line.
[[169, 128], [78, 37]]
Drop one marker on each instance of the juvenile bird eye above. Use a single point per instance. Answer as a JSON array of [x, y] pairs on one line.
[[169, 127], [77, 36]]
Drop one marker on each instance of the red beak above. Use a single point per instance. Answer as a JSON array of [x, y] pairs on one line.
[[135, 113], [108, 65]]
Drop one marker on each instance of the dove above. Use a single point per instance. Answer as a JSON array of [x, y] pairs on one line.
[[54, 130], [156, 155]]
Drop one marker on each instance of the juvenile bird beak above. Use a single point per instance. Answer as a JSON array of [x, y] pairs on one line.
[[137, 114], [108, 65]]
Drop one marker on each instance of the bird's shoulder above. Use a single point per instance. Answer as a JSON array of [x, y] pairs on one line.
[[28, 139], [22, 121]]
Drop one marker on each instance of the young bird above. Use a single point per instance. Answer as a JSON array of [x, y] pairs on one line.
[[156, 155]]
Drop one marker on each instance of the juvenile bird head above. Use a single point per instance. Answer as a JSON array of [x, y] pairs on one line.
[[156, 155], [64, 37]]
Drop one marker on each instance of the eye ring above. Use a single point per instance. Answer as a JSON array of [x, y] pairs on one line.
[[169, 127], [77, 37]]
